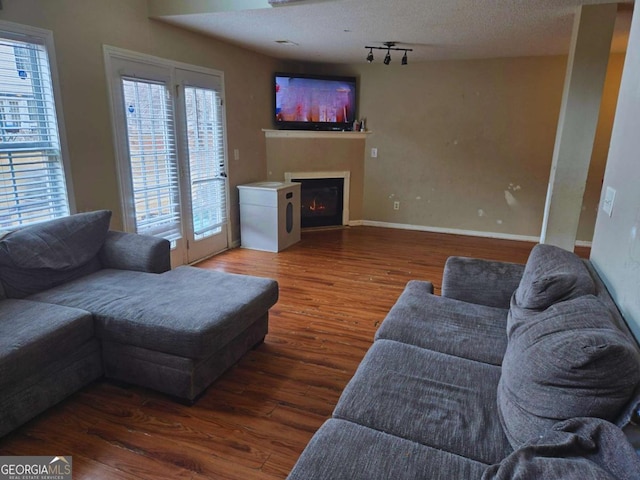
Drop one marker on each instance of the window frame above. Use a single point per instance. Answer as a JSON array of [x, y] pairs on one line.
[[44, 37]]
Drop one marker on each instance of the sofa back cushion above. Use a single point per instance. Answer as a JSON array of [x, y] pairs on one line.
[[569, 361], [51, 253], [552, 275]]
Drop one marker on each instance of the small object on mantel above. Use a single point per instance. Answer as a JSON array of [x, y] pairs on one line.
[[269, 215]]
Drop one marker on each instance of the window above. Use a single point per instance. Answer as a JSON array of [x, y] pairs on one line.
[[152, 154], [205, 136], [32, 178], [22, 56]]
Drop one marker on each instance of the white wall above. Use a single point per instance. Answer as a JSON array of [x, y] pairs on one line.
[[616, 245]]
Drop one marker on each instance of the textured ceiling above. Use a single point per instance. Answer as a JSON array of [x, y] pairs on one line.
[[336, 31]]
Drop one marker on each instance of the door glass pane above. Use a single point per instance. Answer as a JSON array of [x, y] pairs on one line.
[[206, 160], [153, 159]]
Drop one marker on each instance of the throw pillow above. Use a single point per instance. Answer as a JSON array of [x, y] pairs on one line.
[[576, 449], [47, 254], [552, 275], [570, 361]]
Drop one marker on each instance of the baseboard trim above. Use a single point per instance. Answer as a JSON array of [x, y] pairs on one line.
[[583, 243], [455, 231], [452, 231]]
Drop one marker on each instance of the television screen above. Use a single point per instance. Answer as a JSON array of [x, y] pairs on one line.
[[314, 102]]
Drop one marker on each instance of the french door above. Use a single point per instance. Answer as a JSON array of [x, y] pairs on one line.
[[201, 115], [170, 138]]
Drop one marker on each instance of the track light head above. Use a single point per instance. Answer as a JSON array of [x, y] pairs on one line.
[[370, 56], [387, 58], [405, 60]]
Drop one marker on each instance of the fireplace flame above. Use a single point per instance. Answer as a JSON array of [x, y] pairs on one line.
[[317, 206]]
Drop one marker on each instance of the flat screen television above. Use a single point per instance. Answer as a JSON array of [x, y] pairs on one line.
[[314, 102]]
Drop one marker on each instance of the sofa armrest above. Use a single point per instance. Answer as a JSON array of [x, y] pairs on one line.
[[484, 282], [130, 251]]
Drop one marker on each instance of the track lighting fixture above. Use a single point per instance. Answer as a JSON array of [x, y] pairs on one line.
[[388, 46], [387, 58]]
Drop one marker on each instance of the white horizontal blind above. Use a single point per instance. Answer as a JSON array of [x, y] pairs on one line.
[[205, 138], [32, 182], [152, 155]]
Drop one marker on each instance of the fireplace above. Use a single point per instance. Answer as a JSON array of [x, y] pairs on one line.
[[320, 201], [323, 198]]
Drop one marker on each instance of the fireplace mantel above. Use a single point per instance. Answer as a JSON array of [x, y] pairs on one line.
[[314, 134]]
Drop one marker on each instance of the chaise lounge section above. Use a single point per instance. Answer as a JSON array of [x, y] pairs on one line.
[[82, 301]]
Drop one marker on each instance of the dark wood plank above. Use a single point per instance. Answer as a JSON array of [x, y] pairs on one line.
[[336, 286]]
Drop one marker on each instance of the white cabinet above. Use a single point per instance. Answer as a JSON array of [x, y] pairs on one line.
[[269, 215]]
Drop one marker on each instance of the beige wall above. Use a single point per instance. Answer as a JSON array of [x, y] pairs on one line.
[[616, 243], [467, 145], [463, 145], [582, 97], [80, 29], [601, 147]]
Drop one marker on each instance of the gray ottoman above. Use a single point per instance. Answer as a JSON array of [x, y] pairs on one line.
[[175, 332]]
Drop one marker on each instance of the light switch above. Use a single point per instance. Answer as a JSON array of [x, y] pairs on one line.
[[609, 198]]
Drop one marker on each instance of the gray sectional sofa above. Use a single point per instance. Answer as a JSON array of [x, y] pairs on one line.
[[514, 372], [78, 301]]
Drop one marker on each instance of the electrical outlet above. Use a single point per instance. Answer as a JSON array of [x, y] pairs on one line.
[[374, 153], [236, 154], [396, 205]]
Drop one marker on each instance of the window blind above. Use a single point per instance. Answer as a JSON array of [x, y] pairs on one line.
[[32, 181], [152, 156], [205, 138]]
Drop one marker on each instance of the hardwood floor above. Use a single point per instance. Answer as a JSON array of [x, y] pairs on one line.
[[336, 286]]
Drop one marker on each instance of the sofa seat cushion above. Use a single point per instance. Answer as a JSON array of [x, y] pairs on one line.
[[33, 335], [438, 400], [569, 361], [342, 450], [189, 312], [446, 325], [552, 275], [48, 254]]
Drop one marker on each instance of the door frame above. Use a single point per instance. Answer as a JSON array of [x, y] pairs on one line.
[[111, 56]]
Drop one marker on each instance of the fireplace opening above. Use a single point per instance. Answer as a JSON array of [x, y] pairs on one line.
[[321, 201]]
